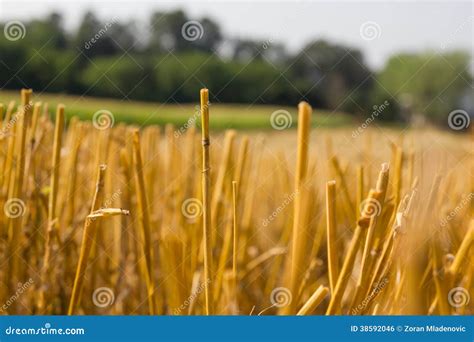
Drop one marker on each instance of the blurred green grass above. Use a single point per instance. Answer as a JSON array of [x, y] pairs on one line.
[[223, 116]]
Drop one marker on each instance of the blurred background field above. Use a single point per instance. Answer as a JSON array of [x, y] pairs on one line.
[[238, 116], [160, 54]]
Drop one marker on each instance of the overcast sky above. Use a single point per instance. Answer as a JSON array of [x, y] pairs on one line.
[[387, 26]]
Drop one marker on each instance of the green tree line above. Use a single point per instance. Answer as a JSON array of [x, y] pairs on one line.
[[173, 55]]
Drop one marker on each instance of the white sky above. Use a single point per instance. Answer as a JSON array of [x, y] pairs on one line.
[[404, 25]]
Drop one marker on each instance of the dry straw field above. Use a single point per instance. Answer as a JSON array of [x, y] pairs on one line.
[[112, 219]]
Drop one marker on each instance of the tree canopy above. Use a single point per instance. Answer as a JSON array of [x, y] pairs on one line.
[[174, 54]]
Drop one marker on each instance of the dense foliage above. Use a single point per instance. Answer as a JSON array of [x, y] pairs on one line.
[[156, 62]]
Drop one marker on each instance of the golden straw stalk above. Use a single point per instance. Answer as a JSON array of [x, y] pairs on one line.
[[15, 230], [463, 251], [219, 189], [52, 232], [347, 204], [397, 182], [144, 219], [366, 221], [360, 188], [299, 234], [206, 203], [88, 235], [235, 230], [313, 302], [333, 265]]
